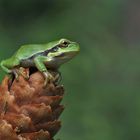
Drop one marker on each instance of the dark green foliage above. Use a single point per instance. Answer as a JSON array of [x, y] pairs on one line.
[[102, 83]]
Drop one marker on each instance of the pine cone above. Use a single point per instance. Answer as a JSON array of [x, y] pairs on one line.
[[28, 111]]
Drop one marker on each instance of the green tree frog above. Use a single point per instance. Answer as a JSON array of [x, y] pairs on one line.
[[42, 56]]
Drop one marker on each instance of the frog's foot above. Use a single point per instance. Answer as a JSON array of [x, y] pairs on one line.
[[48, 78], [57, 78], [23, 73], [15, 73]]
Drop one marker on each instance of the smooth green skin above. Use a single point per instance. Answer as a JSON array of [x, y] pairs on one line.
[[33, 56]]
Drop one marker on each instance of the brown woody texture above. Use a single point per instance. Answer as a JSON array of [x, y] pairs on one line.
[[28, 111]]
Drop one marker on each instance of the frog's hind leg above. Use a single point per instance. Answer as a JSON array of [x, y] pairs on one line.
[[8, 66], [5, 68]]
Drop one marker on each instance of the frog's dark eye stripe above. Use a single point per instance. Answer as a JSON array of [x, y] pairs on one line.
[[55, 49]]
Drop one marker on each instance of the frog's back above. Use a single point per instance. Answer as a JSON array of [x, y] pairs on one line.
[[27, 51]]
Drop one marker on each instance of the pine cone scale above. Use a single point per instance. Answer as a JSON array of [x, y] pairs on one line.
[[28, 111], [52, 127]]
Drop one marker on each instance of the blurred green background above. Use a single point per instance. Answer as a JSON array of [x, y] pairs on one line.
[[102, 84]]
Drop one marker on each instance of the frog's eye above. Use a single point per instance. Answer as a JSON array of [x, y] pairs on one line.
[[55, 49], [64, 44]]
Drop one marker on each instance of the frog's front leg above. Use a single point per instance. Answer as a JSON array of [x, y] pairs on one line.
[[40, 64]]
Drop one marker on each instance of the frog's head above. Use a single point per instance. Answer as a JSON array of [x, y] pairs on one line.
[[62, 50]]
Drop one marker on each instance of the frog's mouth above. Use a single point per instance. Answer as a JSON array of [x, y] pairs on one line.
[[66, 55], [60, 55]]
